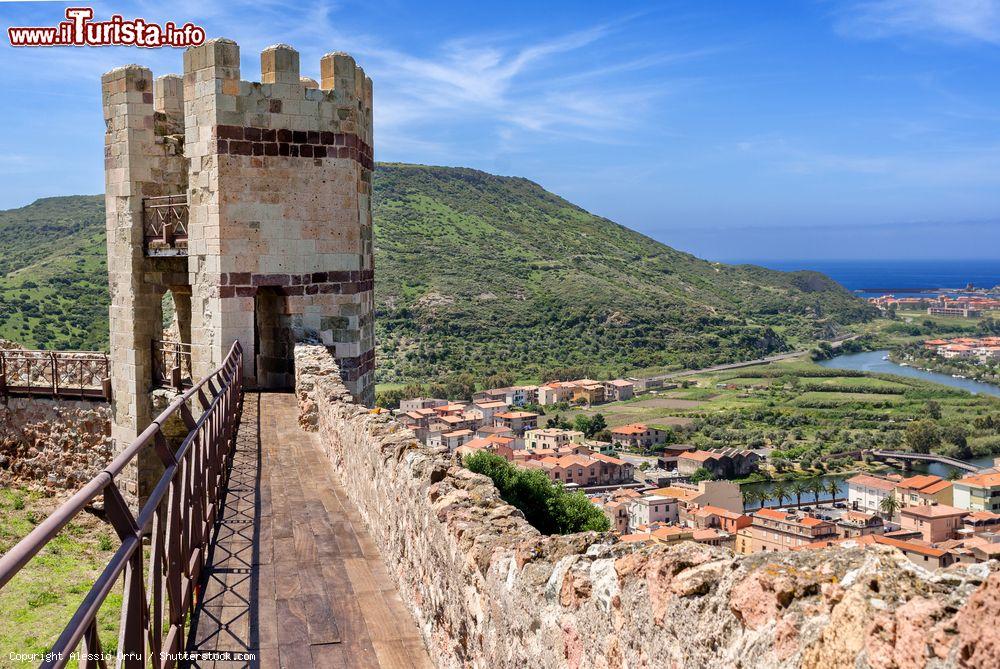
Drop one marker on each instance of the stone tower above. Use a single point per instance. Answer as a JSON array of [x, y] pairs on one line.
[[250, 203]]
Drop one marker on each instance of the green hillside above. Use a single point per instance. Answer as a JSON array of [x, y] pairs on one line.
[[493, 274], [475, 273], [54, 275]]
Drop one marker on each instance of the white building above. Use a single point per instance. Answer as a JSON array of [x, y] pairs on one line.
[[551, 437], [651, 509], [866, 492], [489, 408]]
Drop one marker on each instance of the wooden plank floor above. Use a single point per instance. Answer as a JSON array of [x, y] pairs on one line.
[[293, 576]]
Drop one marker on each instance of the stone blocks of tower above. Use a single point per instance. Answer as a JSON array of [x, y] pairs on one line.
[[280, 180], [141, 160]]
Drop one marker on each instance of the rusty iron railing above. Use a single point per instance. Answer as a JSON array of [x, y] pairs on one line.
[[55, 373], [165, 225], [177, 519], [171, 364]]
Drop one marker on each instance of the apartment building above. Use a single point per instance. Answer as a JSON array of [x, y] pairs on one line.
[[935, 523], [866, 492], [651, 509], [773, 530], [980, 492], [551, 437], [637, 436], [517, 422]]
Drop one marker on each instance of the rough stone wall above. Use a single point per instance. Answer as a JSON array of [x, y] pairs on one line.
[[488, 591], [53, 444]]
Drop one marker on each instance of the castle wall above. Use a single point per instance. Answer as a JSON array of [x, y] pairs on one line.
[[53, 444], [488, 591]]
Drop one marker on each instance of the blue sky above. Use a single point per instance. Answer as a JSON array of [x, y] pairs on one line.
[[801, 129]]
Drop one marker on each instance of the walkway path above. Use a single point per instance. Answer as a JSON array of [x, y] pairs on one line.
[[293, 576]]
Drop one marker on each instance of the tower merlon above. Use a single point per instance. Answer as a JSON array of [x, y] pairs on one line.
[[279, 64]]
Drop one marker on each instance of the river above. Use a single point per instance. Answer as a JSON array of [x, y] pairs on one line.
[[872, 361]]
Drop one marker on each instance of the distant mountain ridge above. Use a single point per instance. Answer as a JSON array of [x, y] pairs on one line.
[[474, 273]]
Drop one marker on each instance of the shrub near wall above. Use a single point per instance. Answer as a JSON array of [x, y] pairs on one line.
[[487, 590]]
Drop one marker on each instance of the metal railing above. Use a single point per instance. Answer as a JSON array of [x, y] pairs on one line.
[[54, 373], [171, 364], [165, 224], [178, 519]]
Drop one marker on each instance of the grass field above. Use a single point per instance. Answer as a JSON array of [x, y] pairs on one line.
[[802, 410], [37, 604]]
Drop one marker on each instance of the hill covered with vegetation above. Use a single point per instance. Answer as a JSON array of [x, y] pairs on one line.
[[54, 274], [475, 273], [495, 274]]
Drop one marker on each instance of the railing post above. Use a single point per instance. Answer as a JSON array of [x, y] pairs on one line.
[[3, 374], [175, 373]]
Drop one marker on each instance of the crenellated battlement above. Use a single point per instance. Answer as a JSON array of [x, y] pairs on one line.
[[283, 99]]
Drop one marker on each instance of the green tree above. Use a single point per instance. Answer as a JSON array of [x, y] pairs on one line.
[[582, 424], [549, 508], [922, 436], [798, 488], [933, 409], [889, 506], [779, 492], [816, 487], [701, 474], [597, 424], [833, 488]]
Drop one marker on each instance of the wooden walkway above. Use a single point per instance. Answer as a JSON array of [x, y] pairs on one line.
[[293, 577]]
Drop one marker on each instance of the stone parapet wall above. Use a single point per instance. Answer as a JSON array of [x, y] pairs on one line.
[[487, 590], [53, 444]]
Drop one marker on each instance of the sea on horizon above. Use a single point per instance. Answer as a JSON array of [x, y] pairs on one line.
[[899, 275]]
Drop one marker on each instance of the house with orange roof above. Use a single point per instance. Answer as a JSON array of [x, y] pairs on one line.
[[935, 523], [979, 492], [591, 469], [554, 392], [489, 408], [773, 530], [956, 351], [721, 494], [923, 489], [930, 557], [715, 517], [637, 436], [517, 422], [493, 444]]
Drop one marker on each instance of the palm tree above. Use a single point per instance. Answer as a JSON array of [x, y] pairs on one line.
[[798, 489], [816, 487], [889, 506], [833, 487], [749, 497], [779, 492]]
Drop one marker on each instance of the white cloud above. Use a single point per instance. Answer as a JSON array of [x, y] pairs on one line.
[[950, 20]]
